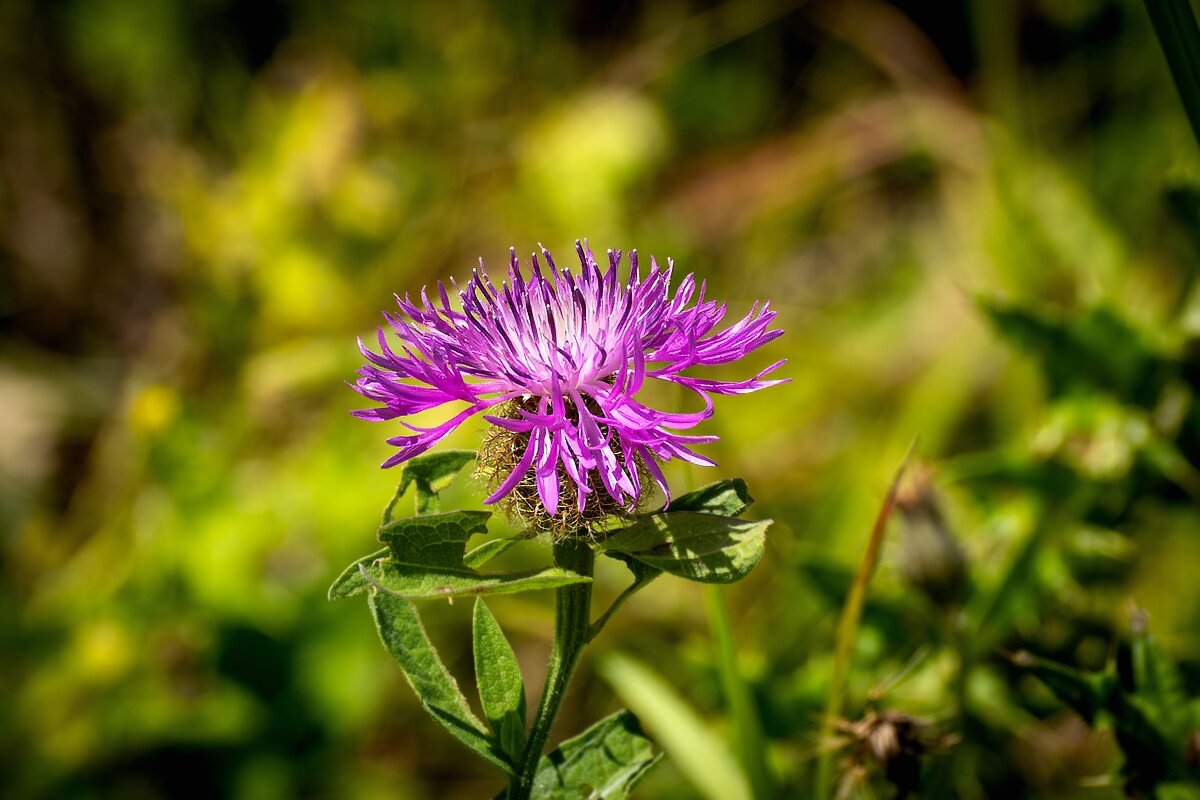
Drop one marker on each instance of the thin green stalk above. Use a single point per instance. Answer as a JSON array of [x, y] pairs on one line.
[[1175, 25], [748, 734], [630, 590], [572, 629], [847, 631]]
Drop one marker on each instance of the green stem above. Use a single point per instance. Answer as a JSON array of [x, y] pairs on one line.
[[572, 630], [630, 590], [1175, 26]]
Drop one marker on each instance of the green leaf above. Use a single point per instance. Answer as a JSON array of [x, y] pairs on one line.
[[701, 757], [1087, 694], [404, 636], [1177, 32], [1158, 684], [1096, 349], [498, 675], [427, 561], [727, 498], [478, 556], [435, 540], [352, 581], [605, 762], [428, 473], [1151, 755], [701, 547], [416, 583]]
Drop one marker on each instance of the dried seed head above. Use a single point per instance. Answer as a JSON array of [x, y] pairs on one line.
[[890, 740], [930, 557]]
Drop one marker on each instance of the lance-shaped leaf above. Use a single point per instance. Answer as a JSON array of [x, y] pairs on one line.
[[605, 762], [352, 581], [501, 688], [404, 637], [1087, 694], [427, 561], [420, 583], [478, 556], [701, 547], [701, 757], [1150, 756], [727, 498], [1158, 684], [428, 474]]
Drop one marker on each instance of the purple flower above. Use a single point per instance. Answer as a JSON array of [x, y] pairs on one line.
[[567, 355]]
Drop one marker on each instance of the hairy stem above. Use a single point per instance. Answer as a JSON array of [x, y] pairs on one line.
[[572, 630]]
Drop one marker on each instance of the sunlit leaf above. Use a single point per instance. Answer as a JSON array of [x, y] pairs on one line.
[[416, 583], [727, 498], [605, 762], [352, 581], [701, 547], [498, 675], [478, 556], [434, 540], [427, 561], [428, 474], [404, 637]]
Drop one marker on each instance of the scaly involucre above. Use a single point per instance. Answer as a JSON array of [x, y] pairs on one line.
[[573, 351]]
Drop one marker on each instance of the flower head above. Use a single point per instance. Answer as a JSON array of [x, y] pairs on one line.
[[558, 359]]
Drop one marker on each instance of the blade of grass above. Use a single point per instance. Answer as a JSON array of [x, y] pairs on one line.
[[847, 628], [1175, 26], [747, 727], [701, 757]]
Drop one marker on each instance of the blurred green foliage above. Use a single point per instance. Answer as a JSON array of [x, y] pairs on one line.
[[979, 223]]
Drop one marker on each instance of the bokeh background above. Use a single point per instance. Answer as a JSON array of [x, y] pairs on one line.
[[203, 204]]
